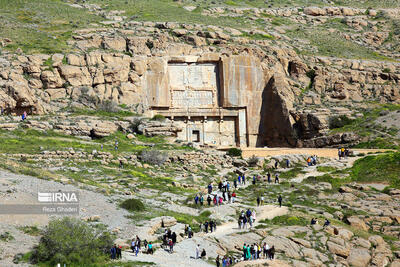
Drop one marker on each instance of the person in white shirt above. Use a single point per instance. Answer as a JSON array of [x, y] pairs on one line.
[[265, 250], [197, 251]]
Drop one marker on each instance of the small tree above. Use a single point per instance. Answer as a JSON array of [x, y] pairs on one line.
[[253, 161], [339, 121], [132, 205], [234, 152], [72, 241]]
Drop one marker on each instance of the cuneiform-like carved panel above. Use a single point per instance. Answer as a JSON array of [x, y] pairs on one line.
[[194, 76], [193, 85], [190, 98]]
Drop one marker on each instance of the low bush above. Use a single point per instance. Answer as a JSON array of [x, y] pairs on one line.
[[253, 161], [133, 205], [234, 152], [287, 220], [6, 236], [153, 157], [71, 241], [30, 230]]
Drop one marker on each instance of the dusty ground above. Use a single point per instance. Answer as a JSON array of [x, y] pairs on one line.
[[320, 152]]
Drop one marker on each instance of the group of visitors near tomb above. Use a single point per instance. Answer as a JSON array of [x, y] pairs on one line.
[[136, 246], [249, 252], [343, 153], [225, 194]]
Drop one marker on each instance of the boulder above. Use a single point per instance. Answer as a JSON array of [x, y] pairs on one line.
[[51, 79], [285, 245], [337, 249], [117, 43], [76, 76], [314, 11], [357, 223], [359, 257]]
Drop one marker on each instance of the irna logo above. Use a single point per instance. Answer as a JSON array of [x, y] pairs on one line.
[[58, 197]]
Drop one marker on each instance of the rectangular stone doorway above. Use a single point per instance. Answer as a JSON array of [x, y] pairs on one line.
[[196, 136]]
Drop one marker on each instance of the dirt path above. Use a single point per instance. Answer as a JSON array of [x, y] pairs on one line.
[[263, 212], [320, 152], [184, 252]]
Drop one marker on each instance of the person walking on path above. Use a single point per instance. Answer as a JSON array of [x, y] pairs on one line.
[[133, 245], [265, 250], [233, 197], [288, 163], [150, 248], [235, 184], [201, 200], [116, 145], [203, 254], [196, 199], [254, 179], [171, 246], [173, 237], [119, 252], [248, 252], [280, 200], [272, 253], [244, 179], [113, 252], [269, 177], [276, 164], [277, 178], [258, 201], [262, 200], [209, 188], [197, 251], [217, 262], [240, 179]]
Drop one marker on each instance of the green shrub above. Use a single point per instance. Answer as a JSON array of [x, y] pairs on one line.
[[287, 220], [71, 241], [133, 205], [339, 121], [253, 160], [234, 152], [30, 230], [6, 236], [386, 70]]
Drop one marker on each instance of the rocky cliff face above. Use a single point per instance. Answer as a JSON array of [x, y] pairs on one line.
[[128, 65]]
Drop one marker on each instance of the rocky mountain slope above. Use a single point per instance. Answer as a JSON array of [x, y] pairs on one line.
[[306, 81], [318, 74]]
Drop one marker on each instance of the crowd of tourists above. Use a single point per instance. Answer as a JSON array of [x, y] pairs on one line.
[[258, 251], [312, 160], [343, 153], [226, 193]]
